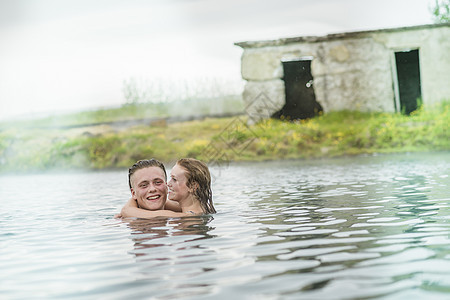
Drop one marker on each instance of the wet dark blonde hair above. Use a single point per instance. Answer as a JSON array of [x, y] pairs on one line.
[[199, 179]]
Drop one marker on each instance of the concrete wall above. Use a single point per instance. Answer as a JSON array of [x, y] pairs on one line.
[[354, 71], [434, 49]]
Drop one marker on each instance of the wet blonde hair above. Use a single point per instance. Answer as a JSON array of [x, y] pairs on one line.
[[199, 179]]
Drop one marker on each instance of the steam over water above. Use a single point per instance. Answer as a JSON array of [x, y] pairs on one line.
[[347, 228]]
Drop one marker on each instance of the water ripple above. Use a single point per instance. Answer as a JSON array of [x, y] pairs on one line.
[[349, 228]]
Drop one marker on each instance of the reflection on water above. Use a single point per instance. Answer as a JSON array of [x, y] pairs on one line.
[[348, 228]]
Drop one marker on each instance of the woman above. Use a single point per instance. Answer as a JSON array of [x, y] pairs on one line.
[[189, 186]]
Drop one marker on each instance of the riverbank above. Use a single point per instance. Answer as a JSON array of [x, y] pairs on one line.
[[219, 140]]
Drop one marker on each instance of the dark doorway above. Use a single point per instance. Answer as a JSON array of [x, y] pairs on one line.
[[300, 98], [408, 76]]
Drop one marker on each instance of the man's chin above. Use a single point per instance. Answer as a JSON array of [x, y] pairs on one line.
[[153, 206], [156, 207]]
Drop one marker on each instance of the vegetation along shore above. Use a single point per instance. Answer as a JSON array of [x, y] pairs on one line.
[[93, 144]]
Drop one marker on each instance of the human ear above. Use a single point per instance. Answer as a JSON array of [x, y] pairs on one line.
[[133, 194]]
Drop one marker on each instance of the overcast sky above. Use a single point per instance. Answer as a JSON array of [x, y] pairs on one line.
[[59, 55]]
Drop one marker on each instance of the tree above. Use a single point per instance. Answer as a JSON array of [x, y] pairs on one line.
[[132, 92], [441, 11]]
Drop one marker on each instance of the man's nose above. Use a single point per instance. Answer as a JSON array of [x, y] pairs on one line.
[[151, 187]]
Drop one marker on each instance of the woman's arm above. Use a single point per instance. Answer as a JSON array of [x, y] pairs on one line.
[[173, 206], [130, 203], [130, 210]]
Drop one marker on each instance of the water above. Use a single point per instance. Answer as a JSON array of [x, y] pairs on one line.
[[373, 227]]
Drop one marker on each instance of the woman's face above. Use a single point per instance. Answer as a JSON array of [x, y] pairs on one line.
[[178, 190]]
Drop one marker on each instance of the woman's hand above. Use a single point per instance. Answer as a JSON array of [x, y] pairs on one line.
[[128, 208]]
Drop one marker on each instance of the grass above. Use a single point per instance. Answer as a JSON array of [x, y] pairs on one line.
[[217, 139], [342, 133]]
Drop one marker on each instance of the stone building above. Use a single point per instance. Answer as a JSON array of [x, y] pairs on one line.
[[390, 70]]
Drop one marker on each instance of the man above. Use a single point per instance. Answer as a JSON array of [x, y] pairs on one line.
[[147, 180]]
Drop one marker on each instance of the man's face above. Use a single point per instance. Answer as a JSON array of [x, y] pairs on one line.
[[148, 188]]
